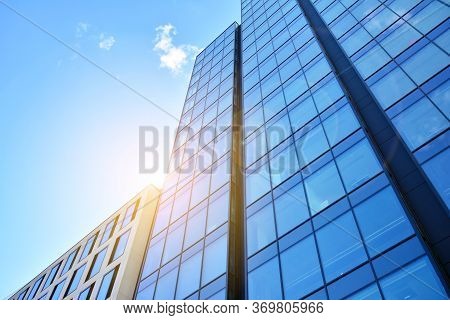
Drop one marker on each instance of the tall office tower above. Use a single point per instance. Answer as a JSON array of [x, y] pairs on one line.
[[332, 181], [105, 264]]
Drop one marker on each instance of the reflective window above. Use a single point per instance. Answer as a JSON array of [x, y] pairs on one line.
[[189, 276], [323, 188], [109, 230], [56, 294], [264, 282], [301, 269], [51, 276], [340, 124], [257, 183], [153, 258], [69, 261], [260, 229], [291, 209], [215, 259], [438, 171], [88, 247], [86, 293], [340, 246], [357, 165], [368, 293], [106, 287], [121, 244], [218, 210], [419, 123], [414, 281], [195, 228], [382, 221], [97, 263], [311, 145], [75, 281], [129, 215], [35, 288], [326, 95], [302, 112]]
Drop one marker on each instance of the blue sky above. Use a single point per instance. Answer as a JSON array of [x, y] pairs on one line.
[[69, 133]]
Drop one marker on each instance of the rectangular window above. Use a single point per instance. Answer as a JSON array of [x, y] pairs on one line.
[[382, 221], [215, 259], [264, 281], [301, 269], [51, 276], [340, 124], [130, 214], [88, 247], [107, 285], [260, 229], [189, 276], [311, 145], [438, 171], [97, 263], [166, 286], [69, 261], [75, 281], [119, 246], [35, 288], [109, 230], [56, 294], [323, 188], [340, 246]]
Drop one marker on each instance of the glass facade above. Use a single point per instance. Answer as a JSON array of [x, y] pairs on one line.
[[187, 252], [323, 216]]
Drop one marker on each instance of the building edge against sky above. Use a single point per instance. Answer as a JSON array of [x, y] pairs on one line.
[[105, 264], [357, 214]]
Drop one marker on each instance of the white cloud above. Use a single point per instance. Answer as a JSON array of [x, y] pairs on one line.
[[81, 29], [106, 43], [171, 56]]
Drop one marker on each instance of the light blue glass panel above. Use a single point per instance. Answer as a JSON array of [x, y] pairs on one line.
[[302, 113], [400, 39], [416, 281], [419, 123], [357, 165], [382, 221], [368, 293], [392, 87], [311, 145], [340, 246], [291, 209], [438, 170], [441, 97], [165, 289], [189, 276], [264, 282], [257, 183], [301, 269], [260, 229], [215, 260], [327, 95], [195, 228], [323, 188], [340, 124]]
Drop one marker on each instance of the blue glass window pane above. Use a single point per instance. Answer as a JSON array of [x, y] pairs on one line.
[[173, 243], [165, 289], [218, 211], [283, 165], [416, 281], [382, 221], [378, 23], [340, 246], [425, 63], [323, 188], [260, 229], [147, 293], [273, 104], [291, 209], [302, 113], [121, 245], [85, 294], [189, 277], [430, 16], [57, 291], [340, 124], [195, 228], [357, 165], [400, 39], [76, 279], [109, 230], [392, 87], [257, 183], [264, 282], [317, 71], [311, 145], [301, 269], [295, 87], [368, 293], [98, 262], [356, 41], [441, 97], [215, 260], [327, 95], [255, 148], [51, 276], [107, 284], [153, 258], [438, 170], [419, 123], [278, 131], [401, 7], [371, 61]]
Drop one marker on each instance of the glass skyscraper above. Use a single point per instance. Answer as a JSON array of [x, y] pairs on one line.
[[312, 158]]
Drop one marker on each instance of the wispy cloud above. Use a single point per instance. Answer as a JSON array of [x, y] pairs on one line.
[[81, 29], [171, 56], [105, 42]]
